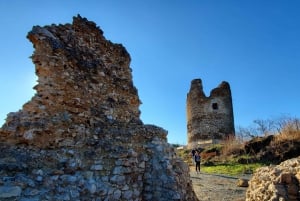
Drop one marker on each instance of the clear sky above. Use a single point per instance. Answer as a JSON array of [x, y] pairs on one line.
[[252, 44]]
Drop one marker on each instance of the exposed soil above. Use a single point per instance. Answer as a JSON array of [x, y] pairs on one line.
[[212, 187]]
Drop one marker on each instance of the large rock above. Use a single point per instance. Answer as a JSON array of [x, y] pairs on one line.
[[276, 183], [81, 137]]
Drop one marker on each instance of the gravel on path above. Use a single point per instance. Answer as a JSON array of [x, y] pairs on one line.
[[214, 187]]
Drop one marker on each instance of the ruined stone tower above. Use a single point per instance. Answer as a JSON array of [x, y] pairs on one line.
[[209, 119]]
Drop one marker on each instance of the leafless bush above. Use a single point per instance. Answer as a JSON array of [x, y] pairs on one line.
[[267, 127], [284, 128], [246, 134]]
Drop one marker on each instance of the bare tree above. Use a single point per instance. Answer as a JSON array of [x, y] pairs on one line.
[[269, 127], [265, 127], [245, 133]]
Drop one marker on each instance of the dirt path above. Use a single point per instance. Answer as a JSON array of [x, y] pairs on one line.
[[210, 187]]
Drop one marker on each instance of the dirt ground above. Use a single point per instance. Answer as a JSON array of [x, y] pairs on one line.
[[212, 187]]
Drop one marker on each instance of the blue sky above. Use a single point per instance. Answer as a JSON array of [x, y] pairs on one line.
[[254, 45]]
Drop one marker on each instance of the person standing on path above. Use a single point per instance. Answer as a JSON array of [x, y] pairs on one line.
[[197, 161], [193, 156]]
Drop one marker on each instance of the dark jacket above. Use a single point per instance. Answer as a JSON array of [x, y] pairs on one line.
[[197, 158]]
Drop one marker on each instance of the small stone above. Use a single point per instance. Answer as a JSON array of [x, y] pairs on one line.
[[88, 175], [39, 172], [97, 167], [57, 172], [74, 193], [31, 192], [142, 165], [39, 178], [64, 196], [118, 179], [29, 199], [127, 195], [10, 191], [117, 194], [54, 177], [242, 182], [68, 178], [118, 170], [92, 188], [71, 152], [29, 135]]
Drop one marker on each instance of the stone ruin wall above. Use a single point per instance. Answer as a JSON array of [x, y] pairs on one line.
[[208, 118], [80, 137], [84, 82]]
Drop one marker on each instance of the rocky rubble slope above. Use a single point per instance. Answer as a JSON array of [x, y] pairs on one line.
[[80, 137], [274, 183]]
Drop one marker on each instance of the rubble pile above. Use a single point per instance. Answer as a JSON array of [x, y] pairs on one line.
[[280, 182]]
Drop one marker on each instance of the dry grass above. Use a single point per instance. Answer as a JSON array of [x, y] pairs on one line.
[[209, 155], [290, 133], [232, 146]]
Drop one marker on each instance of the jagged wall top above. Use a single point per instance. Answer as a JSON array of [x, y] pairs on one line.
[[75, 63], [197, 89], [84, 84]]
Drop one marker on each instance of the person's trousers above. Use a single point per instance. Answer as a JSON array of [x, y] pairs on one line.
[[198, 166]]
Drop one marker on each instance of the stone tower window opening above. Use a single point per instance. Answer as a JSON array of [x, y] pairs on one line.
[[215, 106]]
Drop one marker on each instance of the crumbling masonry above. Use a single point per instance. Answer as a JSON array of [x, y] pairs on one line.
[[209, 119], [80, 137]]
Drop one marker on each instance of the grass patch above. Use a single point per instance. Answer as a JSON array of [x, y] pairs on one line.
[[231, 169]]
